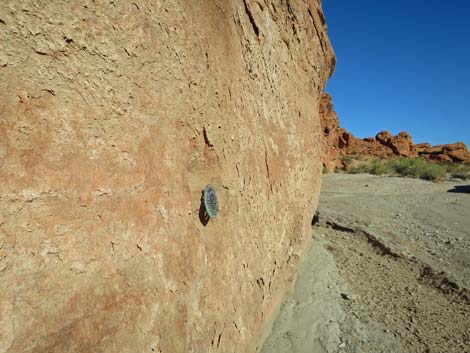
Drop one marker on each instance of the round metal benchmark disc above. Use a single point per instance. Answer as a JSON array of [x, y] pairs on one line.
[[210, 201]]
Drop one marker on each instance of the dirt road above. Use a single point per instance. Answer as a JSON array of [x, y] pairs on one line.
[[388, 270]]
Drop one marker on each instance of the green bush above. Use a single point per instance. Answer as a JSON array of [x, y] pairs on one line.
[[356, 170], [432, 172], [375, 167], [409, 167], [346, 159], [457, 170], [461, 175]]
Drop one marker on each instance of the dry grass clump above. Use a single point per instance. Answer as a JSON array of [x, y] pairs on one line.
[[414, 168]]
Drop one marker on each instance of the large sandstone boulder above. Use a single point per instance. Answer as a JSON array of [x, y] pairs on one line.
[[422, 147], [401, 144], [114, 116]]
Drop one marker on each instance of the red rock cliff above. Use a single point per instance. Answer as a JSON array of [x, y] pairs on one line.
[[332, 134], [113, 118]]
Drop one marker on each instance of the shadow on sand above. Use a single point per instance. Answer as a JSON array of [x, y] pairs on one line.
[[461, 189]]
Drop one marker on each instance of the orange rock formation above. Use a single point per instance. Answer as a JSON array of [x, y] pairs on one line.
[[338, 142]]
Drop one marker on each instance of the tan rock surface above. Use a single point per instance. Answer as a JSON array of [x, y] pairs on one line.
[[113, 118]]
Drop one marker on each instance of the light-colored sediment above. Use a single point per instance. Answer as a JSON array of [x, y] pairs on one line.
[[394, 271]]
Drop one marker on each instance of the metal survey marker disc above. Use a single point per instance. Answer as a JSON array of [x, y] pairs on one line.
[[211, 203]]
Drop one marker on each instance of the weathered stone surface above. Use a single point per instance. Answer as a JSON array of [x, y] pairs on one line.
[[384, 137], [113, 118], [421, 147], [332, 137], [401, 144], [368, 147]]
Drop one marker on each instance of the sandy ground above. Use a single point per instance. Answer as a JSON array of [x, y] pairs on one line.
[[388, 270]]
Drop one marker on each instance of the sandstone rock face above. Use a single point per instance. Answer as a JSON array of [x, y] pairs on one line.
[[114, 116], [401, 144], [368, 147], [421, 147], [384, 137], [332, 137]]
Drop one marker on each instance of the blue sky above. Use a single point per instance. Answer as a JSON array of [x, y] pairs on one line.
[[402, 65]]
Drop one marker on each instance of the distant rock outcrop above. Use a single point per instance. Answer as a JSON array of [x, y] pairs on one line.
[[454, 152], [338, 143], [401, 144], [334, 139]]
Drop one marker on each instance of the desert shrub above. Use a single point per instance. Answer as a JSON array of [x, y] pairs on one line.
[[357, 170], [377, 167], [407, 167], [433, 172], [458, 170], [418, 168], [461, 175], [346, 159], [402, 166]]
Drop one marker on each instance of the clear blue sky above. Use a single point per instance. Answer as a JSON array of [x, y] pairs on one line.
[[402, 65]]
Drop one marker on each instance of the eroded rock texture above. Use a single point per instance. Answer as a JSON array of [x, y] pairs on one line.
[[113, 118], [332, 134], [401, 145]]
